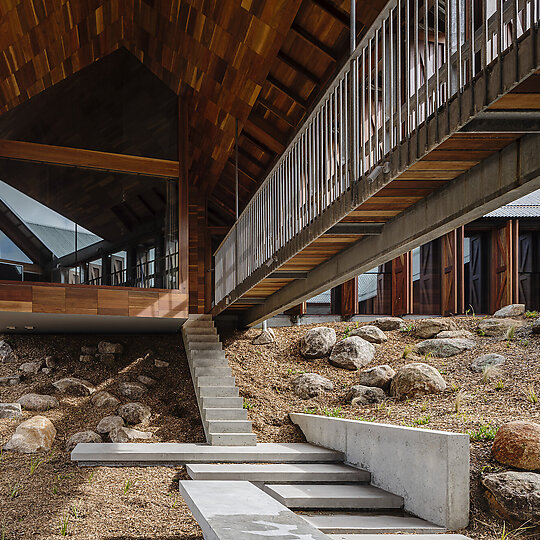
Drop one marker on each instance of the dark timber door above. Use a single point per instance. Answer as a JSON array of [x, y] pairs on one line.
[[429, 282], [401, 284], [449, 258], [504, 265], [477, 276]]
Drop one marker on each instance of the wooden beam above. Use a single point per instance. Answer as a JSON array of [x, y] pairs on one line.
[[287, 91], [314, 42], [218, 230], [274, 110], [258, 144], [293, 64], [183, 196], [263, 132], [88, 159], [333, 11], [250, 158]]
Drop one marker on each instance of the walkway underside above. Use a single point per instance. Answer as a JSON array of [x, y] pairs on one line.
[[477, 153]]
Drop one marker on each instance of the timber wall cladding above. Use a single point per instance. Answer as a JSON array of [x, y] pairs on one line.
[[219, 51], [89, 300]]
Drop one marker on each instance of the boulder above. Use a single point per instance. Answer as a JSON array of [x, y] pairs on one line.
[[104, 399], [10, 410], [6, 353], [309, 385], [88, 350], [536, 326], [428, 328], [497, 327], [443, 348], [88, 436], [74, 386], [514, 496], [486, 360], [517, 444], [30, 368], [147, 381], [265, 337], [370, 333], [416, 379], [465, 334], [125, 434], [107, 424], [389, 323], [10, 380], [38, 402], [134, 413], [160, 363], [47, 370], [317, 342], [50, 362], [512, 310], [352, 353], [365, 395], [106, 358], [104, 347], [132, 390], [379, 376], [86, 358], [34, 435]]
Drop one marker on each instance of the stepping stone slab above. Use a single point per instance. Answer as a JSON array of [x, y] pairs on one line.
[[278, 472], [180, 453], [369, 523], [241, 511], [333, 496], [10, 410]]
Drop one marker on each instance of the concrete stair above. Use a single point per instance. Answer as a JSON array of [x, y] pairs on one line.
[[224, 420]]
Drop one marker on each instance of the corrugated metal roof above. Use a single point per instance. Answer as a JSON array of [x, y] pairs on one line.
[[62, 241], [525, 207]]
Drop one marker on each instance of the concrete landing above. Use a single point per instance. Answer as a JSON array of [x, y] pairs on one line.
[[182, 453], [241, 511], [397, 537], [353, 524], [278, 473]]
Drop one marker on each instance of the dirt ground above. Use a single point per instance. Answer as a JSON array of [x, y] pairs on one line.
[[469, 405], [41, 495]]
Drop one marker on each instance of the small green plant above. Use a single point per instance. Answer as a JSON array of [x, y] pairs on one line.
[[407, 328], [511, 334], [55, 490], [295, 371], [458, 402], [347, 332], [14, 491], [454, 387], [489, 373], [363, 419], [91, 477], [480, 332], [423, 421], [247, 405], [471, 312], [75, 511], [35, 463], [524, 342], [128, 485], [500, 385], [407, 351], [3, 531], [427, 356], [64, 522], [486, 432], [310, 411], [531, 314], [333, 413], [424, 407], [531, 394]]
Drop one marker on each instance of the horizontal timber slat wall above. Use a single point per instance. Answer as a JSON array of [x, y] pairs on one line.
[[92, 300]]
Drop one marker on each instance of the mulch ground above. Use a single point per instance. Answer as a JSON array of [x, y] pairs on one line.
[[100, 502], [469, 405]]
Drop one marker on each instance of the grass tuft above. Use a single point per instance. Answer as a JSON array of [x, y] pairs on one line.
[[531, 394], [486, 432]]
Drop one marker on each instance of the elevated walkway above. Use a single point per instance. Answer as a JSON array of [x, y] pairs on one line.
[[409, 154]]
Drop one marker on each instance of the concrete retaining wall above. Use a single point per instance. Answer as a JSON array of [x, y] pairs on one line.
[[429, 469]]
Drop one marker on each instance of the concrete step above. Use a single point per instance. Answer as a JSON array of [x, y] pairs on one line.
[[218, 391], [182, 453], [208, 380], [221, 402], [200, 329], [241, 511], [398, 537], [229, 426], [201, 338], [232, 439], [350, 523], [204, 346], [198, 317], [278, 473], [346, 496], [207, 354], [209, 362], [226, 414], [212, 371]]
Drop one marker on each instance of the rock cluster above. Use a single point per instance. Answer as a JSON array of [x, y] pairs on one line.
[[428, 328], [105, 352], [365, 395]]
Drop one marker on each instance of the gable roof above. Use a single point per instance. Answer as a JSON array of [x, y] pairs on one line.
[[525, 207]]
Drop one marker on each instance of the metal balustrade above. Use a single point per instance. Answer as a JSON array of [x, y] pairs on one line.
[[394, 81]]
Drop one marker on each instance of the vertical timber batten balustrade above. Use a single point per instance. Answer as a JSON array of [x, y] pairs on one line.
[[394, 82]]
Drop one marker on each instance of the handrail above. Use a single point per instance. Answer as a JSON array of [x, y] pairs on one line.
[[355, 126]]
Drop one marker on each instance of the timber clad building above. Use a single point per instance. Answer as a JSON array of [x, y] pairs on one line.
[[239, 157]]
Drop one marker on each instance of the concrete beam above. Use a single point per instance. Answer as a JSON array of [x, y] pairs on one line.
[[505, 176], [504, 122], [364, 229]]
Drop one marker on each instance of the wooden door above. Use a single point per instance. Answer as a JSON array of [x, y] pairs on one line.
[[526, 269], [349, 298], [503, 266], [429, 282], [477, 277], [402, 285], [383, 301], [449, 273]]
